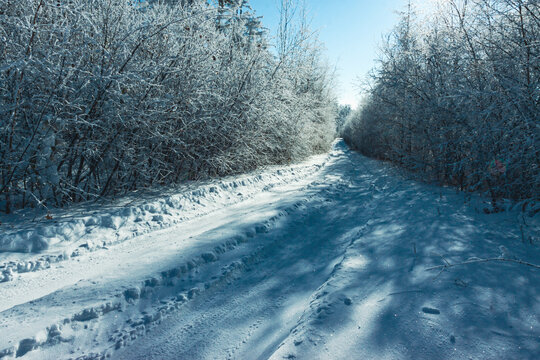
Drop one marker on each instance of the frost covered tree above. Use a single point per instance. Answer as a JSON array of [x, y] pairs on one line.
[[103, 97], [343, 113], [457, 98]]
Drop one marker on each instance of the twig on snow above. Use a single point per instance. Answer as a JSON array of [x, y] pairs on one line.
[[448, 265]]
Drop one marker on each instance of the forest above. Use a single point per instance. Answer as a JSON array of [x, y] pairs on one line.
[[455, 98], [99, 98], [190, 179]]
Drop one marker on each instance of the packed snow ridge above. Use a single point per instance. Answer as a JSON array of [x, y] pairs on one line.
[[67, 234], [336, 258]]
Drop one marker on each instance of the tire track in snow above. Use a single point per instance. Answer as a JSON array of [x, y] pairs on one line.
[[73, 237], [320, 304], [262, 282], [167, 284]]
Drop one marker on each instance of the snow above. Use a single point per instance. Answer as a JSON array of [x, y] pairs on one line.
[[330, 259], [89, 227]]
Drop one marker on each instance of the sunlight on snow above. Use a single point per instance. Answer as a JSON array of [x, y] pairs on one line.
[[355, 263]]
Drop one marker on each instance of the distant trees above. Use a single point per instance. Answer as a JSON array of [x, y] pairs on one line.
[[103, 97], [457, 98], [344, 111]]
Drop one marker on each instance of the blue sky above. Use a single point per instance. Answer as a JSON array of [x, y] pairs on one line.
[[351, 31]]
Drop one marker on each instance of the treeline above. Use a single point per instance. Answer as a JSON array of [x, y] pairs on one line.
[[103, 97], [456, 98]]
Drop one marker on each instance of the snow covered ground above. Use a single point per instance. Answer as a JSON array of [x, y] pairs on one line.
[[330, 259]]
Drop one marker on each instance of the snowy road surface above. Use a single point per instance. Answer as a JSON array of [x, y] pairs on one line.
[[330, 264]]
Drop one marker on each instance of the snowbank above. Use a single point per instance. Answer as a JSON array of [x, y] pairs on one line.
[[46, 241]]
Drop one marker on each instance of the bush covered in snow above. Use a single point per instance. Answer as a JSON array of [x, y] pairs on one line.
[[103, 97], [457, 98]]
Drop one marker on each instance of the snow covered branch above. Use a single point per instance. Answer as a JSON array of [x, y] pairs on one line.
[[475, 261], [103, 97], [456, 98]]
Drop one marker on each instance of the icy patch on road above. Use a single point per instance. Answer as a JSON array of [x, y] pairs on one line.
[[27, 246]]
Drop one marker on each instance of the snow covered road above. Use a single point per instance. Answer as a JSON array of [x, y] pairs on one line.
[[331, 264]]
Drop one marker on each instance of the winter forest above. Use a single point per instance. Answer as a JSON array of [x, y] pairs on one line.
[[456, 98], [103, 97], [269, 179], [106, 98]]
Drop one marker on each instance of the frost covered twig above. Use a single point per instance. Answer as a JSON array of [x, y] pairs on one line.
[[448, 265], [484, 135], [106, 99]]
